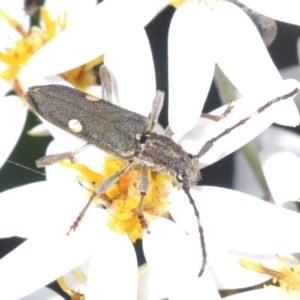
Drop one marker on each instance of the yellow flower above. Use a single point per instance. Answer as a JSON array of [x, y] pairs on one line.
[[122, 198], [17, 56]]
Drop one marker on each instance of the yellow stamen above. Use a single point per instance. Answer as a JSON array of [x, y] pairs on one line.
[[49, 25], [14, 24], [288, 279], [123, 197], [75, 295], [17, 56], [79, 276], [61, 20]]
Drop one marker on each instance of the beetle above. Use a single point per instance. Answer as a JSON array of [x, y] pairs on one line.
[[124, 134]]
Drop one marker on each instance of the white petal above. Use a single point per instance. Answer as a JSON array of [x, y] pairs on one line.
[[133, 70], [12, 118], [247, 224], [76, 279], [237, 231], [228, 274], [113, 270], [42, 260], [206, 129], [282, 10], [275, 136], [216, 241], [8, 36], [40, 208], [74, 9], [28, 77], [108, 21], [191, 64], [38, 131], [174, 259], [244, 59], [148, 287], [5, 87], [245, 180], [92, 157], [269, 293], [44, 293], [15, 10], [292, 72], [281, 170]]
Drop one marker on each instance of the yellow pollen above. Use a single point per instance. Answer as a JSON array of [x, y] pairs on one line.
[[287, 278], [177, 3], [81, 281], [16, 56], [122, 198]]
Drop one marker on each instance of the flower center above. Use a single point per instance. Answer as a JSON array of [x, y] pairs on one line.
[[122, 198]]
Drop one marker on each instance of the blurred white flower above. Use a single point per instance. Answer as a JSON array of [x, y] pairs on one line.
[[281, 170], [279, 9], [279, 152]]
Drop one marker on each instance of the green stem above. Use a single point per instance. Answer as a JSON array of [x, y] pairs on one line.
[[224, 86], [227, 93], [251, 154]]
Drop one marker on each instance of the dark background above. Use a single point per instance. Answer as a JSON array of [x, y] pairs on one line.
[[28, 149]]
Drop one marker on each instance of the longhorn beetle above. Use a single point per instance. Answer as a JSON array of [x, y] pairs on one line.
[[124, 134]]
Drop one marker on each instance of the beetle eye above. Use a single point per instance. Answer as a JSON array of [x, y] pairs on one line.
[[180, 175]]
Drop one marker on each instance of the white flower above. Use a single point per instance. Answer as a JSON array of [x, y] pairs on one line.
[[197, 37], [281, 165], [270, 293], [174, 258], [57, 204], [44, 293], [293, 72], [279, 10], [172, 255], [14, 25], [278, 150]]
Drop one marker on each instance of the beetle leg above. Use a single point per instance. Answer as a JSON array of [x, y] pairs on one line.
[[106, 83], [100, 189], [156, 107], [49, 160], [223, 115], [169, 132], [144, 185]]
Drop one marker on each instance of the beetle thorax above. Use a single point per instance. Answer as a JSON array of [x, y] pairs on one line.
[[162, 153]]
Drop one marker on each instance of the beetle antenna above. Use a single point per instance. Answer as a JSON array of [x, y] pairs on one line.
[[209, 144], [200, 229]]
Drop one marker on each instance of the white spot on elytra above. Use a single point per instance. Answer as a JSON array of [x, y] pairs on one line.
[[75, 125]]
